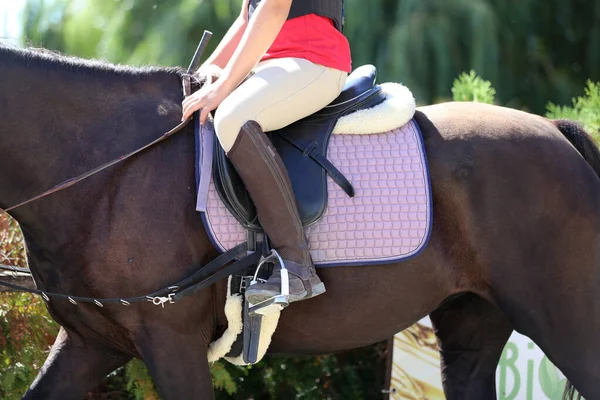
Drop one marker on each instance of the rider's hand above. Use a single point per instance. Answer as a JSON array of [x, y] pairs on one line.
[[208, 73], [206, 99]]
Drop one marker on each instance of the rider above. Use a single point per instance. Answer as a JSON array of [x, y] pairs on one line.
[[281, 61]]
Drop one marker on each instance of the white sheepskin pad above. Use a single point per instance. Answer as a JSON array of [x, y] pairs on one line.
[[398, 108], [233, 311], [269, 325]]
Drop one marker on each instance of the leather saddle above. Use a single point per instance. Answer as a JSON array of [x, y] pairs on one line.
[[303, 149]]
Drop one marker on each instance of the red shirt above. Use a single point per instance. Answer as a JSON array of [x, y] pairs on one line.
[[313, 38]]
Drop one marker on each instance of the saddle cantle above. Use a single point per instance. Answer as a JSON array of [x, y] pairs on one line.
[[303, 149]]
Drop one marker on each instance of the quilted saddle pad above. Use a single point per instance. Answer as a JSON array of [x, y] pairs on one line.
[[388, 220]]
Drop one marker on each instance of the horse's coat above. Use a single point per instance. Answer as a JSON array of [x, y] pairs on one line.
[[514, 245]]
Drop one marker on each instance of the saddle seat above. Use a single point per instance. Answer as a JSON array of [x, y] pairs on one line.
[[303, 149]]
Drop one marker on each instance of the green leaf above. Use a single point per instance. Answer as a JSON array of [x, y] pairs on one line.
[[470, 87], [584, 109]]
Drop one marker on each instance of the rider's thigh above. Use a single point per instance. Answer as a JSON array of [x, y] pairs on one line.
[[278, 93]]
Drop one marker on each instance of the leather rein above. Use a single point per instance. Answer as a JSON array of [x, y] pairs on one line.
[[72, 181], [186, 82], [206, 275]]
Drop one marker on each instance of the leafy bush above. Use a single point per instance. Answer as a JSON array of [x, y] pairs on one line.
[[585, 109], [352, 375], [223, 379], [471, 87], [26, 334], [12, 251], [26, 329], [139, 382]]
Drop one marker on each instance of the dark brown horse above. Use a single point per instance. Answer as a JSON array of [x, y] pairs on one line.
[[515, 242]]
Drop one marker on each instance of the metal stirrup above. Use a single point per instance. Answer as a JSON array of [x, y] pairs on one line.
[[277, 302]]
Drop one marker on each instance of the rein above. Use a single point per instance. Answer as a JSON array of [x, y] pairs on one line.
[[206, 275], [72, 181], [187, 90], [231, 262]]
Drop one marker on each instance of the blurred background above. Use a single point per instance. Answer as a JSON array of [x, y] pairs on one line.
[[532, 51], [539, 56]]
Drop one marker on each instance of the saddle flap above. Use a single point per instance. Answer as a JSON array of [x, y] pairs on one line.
[[304, 173], [232, 191]]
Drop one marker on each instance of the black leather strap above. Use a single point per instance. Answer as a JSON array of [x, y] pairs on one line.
[[231, 262], [312, 151], [232, 269]]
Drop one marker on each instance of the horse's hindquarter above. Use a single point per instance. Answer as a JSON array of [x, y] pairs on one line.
[[525, 200], [530, 207], [514, 203]]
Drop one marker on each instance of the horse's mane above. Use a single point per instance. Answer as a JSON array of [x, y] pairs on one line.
[[53, 58]]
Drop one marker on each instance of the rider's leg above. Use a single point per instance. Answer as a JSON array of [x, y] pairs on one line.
[[280, 92]]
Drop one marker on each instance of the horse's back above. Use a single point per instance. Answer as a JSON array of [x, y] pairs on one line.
[[480, 143], [461, 119], [506, 167]]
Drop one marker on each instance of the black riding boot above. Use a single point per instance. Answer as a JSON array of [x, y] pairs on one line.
[[266, 179]]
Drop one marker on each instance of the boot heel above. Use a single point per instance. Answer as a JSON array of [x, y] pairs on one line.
[[317, 290]]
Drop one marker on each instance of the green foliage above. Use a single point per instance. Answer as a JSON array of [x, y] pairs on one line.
[[139, 382], [470, 87], [352, 375], [26, 334], [136, 32], [585, 110], [539, 50], [12, 251], [222, 379], [26, 329]]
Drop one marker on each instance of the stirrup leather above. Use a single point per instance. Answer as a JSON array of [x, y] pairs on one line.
[[275, 303]]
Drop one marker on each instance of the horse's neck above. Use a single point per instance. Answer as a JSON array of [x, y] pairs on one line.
[[59, 120]]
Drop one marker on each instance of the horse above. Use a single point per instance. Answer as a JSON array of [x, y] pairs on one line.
[[514, 243]]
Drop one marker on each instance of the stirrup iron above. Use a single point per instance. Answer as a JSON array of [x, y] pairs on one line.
[[278, 302]]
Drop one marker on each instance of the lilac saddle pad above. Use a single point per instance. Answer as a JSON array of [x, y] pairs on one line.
[[388, 220]]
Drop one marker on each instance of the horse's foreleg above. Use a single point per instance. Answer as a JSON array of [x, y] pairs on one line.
[[471, 333], [177, 362], [72, 369]]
